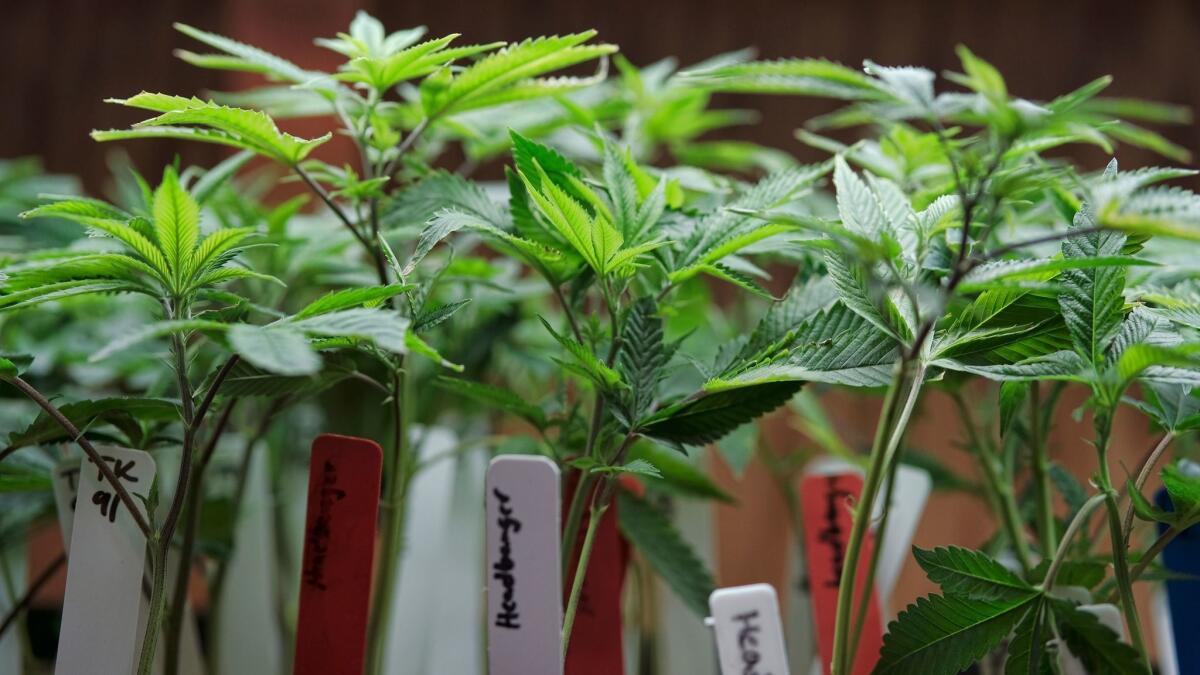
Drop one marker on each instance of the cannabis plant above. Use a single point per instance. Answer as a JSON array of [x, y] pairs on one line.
[[574, 301], [397, 98], [962, 250]]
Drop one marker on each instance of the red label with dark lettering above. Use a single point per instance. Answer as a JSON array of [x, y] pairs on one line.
[[596, 647], [339, 542], [825, 501]]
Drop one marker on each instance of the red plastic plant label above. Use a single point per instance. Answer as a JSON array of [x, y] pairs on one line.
[[339, 543], [825, 502], [596, 645]]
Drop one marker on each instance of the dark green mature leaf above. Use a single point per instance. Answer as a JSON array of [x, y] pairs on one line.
[[12, 365], [434, 317], [495, 397], [1012, 395], [1183, 488], [1092, 302], [24, 474], [1084, 573], [276, 349], [1096, 645], [1059, 365], [157, 329], [970, 574], [709, 416], [642, 360], [836, 345], [1073, 493], [680, 474], [122, 412], [248, 380], [585, 363], [670, 556], [1171, 405], [1027, 652], [1143, 508], [943, 635]]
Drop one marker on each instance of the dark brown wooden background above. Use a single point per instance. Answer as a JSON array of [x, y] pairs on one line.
[[60, 58]]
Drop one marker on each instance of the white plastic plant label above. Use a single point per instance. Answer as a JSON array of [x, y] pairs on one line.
[[524, 619], [104, 573], [1110, 616], [65, 483], [909, 495], [748, 630]]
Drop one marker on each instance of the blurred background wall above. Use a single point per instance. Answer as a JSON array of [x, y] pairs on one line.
[[60, 58]]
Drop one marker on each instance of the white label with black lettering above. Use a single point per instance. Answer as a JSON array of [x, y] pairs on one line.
[[524, 571], [65, 482], [749, 631], [104, 572]]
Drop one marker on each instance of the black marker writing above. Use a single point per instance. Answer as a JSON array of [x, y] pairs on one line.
[[748, 642], [503, 569], [107, 501], [831, 534], [318, 534]]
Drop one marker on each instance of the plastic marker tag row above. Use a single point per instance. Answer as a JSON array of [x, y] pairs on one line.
[[104, 574], [825, 500], [524, 607], [339, 546], [748, 629]]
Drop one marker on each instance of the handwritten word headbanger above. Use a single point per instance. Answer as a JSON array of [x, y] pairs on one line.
[[503, 570]]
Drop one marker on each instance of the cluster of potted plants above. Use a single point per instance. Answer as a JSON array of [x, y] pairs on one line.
[[627, 295]]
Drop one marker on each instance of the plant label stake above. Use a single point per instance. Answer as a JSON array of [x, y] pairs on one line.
[[1182, 557], [339, 546], [825, 509], [65, 483], [748, 630], [104, 575], [1110, 616], [909, 494], [524, 618], [596, 645]]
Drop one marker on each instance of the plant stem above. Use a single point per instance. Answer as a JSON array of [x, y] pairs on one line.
[[190, 526], [585, 554], [893, 419], [1040, 464], [20, 604], [864, 602], [1076, 523], [135, 510], [162, 542], [393, 523], [999, 488], [1143, 475], [579, 501], [1120, 563], [337, 210]]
